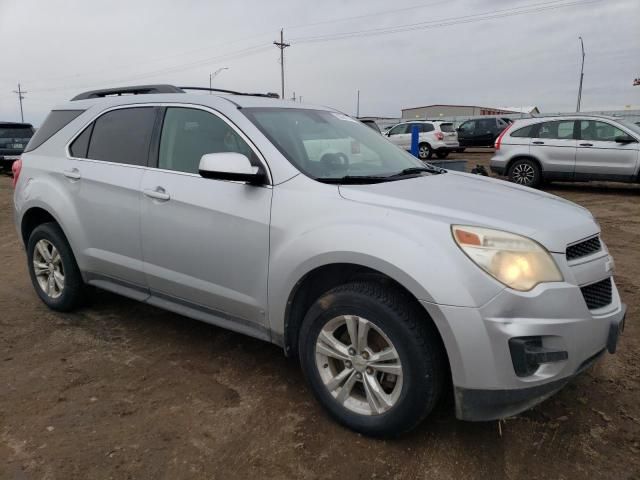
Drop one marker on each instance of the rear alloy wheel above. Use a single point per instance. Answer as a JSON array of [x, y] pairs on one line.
[[424, 151], [53, 268], [371, 358], [525, 172]]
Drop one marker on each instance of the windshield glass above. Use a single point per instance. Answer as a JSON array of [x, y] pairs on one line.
[[329, 145]]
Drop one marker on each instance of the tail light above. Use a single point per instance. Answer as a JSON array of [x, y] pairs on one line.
[[15, 169], [439, 135], [499, 139]]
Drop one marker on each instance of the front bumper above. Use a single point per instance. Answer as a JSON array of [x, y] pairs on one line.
[[482, 365], [485, 405]]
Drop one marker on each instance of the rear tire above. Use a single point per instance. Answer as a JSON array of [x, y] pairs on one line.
[[53, 269], [424, 151], [525, 172], [347, 380]]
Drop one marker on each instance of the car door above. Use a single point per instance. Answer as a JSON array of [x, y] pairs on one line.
[[554, 145], [205, 242], [485, 132], [465, 133], [400, 135], [106, 164], [600, 157]]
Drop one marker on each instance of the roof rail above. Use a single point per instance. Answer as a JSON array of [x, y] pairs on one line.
[[233, 92], [146, 89], [134, 90]]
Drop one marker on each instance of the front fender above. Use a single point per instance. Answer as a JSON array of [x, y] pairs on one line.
[[417, 252]]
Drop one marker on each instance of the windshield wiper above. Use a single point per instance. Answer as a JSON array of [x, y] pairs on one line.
[[416, 170], [354, 179]]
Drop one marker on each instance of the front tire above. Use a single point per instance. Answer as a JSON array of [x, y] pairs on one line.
[[371, 358], [424, 151], [525, 172], [53, 269]]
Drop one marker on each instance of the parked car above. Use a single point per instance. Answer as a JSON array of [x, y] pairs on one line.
[[372, 125], [569, 148], [434, 137], [481, 132], [387, 278], [13, 138]]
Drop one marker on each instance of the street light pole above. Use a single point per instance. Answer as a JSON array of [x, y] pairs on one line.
[[581, 76], [213, 75]]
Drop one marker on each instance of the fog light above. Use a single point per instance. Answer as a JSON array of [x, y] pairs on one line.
[[527, 354]]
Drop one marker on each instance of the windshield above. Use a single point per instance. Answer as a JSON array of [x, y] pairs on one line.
[[330, 146]]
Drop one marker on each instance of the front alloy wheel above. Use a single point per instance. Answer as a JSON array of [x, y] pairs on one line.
[[372, 357], [359, 365]]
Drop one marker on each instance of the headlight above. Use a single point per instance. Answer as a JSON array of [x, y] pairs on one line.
[[518, 262]]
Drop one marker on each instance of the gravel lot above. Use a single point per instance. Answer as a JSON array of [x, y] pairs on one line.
[[124, 390]]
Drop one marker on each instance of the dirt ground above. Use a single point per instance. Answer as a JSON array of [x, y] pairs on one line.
[[124, 390]]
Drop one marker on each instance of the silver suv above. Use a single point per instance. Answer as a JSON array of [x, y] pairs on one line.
[[435, 136], [572, 148], [389, 280]]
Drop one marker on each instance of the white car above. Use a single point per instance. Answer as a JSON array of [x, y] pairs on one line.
[[436, 137]]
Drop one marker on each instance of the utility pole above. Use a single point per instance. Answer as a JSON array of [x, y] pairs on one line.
[[294, 96], [20, 93], [581, 76], [358, 105], [281, 45]]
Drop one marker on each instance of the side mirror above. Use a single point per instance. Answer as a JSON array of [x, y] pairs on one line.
[[458, 129], [625, 139], [230, 166]]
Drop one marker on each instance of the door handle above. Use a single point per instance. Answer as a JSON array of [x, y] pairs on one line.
[[586, 144], [538, 143], [73, 174], [157, 193]]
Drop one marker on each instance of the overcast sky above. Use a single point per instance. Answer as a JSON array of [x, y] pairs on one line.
[[400, 53]]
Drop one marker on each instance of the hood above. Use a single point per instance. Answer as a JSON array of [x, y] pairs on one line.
[[459, 198]]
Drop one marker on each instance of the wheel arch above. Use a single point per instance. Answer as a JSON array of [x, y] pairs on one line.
[[325, 277]]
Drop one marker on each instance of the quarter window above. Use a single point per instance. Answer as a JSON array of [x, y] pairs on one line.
[[55, 121], [524, 132], [188, 134], [122, 136], [599, 131]]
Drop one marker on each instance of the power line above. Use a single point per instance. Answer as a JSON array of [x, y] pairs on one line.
[[509, 12], [281, 45], [20, 94]]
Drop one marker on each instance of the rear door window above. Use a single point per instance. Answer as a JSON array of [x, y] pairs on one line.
[[559, 130], [55, 121], [427, 127], [123, 136]]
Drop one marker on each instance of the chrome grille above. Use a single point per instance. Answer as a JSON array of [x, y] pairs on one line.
[[597, 295], [584, 248]]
